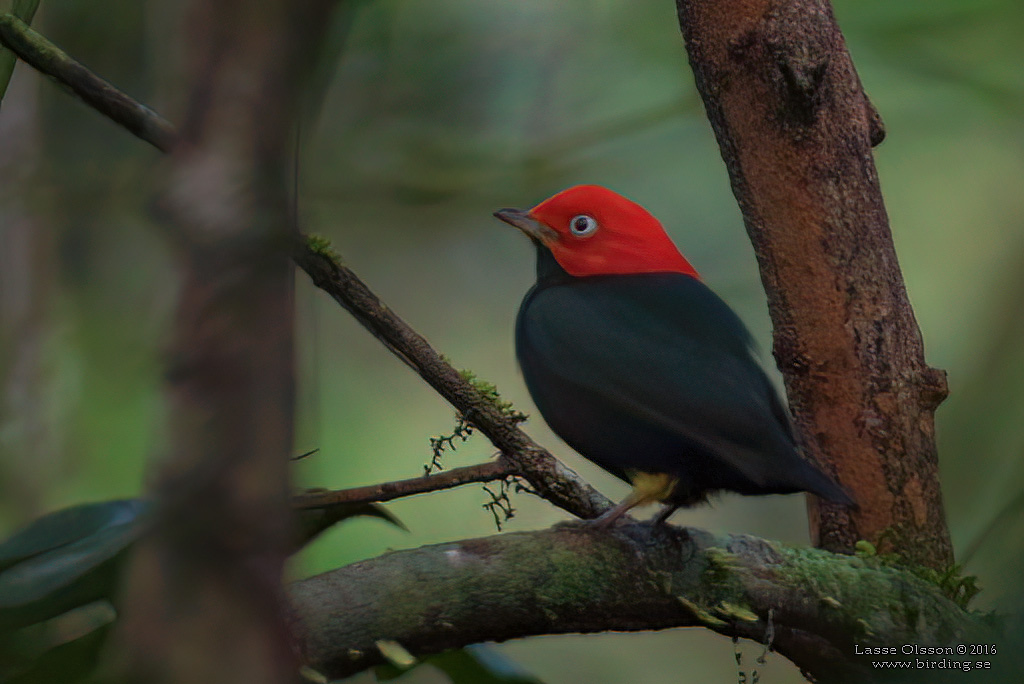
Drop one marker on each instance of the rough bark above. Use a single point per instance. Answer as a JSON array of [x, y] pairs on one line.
[[203, 600], [796, 130], [573, 578]]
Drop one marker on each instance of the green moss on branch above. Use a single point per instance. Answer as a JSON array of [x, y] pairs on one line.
[[573, 578]]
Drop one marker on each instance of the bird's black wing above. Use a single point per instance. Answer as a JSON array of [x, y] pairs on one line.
[[662, 350]]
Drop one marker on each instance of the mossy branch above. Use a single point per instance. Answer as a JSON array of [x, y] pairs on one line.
[[573, 578]]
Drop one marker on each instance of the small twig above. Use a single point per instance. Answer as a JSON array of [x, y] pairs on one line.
[[500, 506], [769, 637], [547, 476], [386, 491], [767, 644], [305, 455], [441, 443]]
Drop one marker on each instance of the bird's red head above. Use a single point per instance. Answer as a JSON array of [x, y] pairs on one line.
[[591, 230]]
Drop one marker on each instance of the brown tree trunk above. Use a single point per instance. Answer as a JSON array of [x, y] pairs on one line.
[[204, 598], [796, 130]]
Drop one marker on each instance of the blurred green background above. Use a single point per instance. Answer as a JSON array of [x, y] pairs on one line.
[[435, 113]]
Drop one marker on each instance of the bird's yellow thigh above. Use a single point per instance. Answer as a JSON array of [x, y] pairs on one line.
[[651, 487]]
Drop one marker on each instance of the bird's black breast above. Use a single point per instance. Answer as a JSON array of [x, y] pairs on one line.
[[654, 372]]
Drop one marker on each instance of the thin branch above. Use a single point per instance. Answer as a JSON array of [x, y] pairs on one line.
[[386, 491], [575, 579], [46, 57], [547, 476]]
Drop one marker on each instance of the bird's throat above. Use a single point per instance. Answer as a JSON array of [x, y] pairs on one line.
[[549, 271]]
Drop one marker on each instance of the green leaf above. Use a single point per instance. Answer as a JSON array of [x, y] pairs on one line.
[[57, 574], [395, 653], [66, 526], [865, 549], [72, 661]]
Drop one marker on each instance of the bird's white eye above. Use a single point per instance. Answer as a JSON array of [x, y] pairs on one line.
[[583, 225]]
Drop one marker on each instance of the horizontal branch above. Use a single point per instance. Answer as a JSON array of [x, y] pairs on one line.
[[386, 491], [573, 578], [547, 476]]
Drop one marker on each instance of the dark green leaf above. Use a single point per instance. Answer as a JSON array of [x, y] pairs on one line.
[[66, 526], [72, 661], [69, 574]]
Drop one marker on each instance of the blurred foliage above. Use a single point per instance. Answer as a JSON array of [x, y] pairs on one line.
[[59, 579], [65, 560], [437, 113], [58, 576]]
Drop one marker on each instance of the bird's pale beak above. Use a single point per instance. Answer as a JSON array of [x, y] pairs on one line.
[[532, 227]]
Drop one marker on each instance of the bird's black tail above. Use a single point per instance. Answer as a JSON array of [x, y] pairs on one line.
[[817, 482]]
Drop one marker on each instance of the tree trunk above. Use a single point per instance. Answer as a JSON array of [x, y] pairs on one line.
[[204, 598], [796, 130]]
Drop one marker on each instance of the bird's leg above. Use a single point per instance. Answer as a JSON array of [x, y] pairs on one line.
[[665, 513], [647, 488], [611, 516]]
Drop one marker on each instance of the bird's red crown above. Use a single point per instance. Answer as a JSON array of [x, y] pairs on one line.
[[600, 232]]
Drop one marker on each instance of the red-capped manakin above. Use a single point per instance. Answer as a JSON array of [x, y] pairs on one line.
[[640, 367]]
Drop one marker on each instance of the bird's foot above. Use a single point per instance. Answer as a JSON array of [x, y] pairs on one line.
[[613, 516], [664, 514]]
